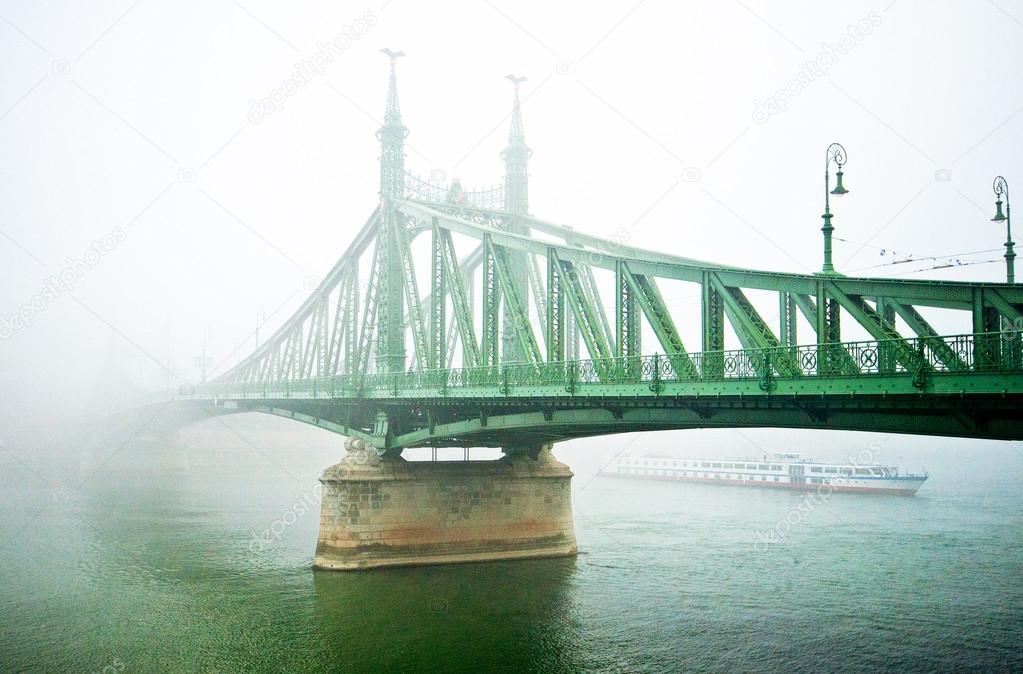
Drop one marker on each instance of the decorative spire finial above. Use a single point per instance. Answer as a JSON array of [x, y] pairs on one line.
[[516, 155], [393, 112], [516, 134]]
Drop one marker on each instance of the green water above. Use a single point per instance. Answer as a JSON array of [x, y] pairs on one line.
[[150, 570]]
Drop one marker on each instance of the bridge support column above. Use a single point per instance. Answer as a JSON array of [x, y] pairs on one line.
[[390, 512]]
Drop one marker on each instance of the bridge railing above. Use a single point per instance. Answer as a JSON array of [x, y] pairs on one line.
[[917, 357], [417, 188]]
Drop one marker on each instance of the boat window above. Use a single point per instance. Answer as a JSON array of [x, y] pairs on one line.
[[815, 469], [773, 467], [763, 466], [704, 464], [715, 465], [863, 471], [830, 469]]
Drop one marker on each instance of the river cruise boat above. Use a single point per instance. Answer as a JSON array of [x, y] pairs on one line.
[[781, 471]]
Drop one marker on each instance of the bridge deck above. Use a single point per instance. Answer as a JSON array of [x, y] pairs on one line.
[[965, 385]]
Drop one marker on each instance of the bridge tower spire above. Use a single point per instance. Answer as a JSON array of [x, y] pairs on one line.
[[390, 338], [516, 157], [392, 138], [516, 202]]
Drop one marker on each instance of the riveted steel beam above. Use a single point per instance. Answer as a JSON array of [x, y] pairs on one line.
[[516, 311], [491, 306], [461, 301], [649, 298], [582, 311], [556, 316]]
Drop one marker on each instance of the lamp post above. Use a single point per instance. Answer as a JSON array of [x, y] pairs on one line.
[[1001, 187], [836, 153]]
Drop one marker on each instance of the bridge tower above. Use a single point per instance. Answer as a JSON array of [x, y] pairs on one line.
[[390, 330], [386, 511], [516, 200]]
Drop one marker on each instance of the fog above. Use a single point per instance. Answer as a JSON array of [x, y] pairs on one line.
[[154, 211]]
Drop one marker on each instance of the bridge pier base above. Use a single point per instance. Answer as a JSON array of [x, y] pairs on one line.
[[379, 512]]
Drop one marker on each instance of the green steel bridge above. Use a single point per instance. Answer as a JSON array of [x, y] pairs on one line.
[[534, 333]]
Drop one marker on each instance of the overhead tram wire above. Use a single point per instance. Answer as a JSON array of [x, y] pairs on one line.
[[949, 261], [913, 257], [948, 266]]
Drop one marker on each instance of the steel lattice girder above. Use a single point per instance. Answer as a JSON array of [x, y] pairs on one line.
[[924, 367], [283, 354]]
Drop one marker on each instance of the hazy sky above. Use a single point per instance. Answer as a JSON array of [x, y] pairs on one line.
[[128, 129]]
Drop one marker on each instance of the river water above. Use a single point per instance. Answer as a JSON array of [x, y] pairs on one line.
[[171, 560]]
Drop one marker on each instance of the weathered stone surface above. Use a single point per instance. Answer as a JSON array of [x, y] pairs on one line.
[[393, 512]]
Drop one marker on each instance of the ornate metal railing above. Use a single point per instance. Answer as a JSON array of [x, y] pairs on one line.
[[918, 358], [417, 188]]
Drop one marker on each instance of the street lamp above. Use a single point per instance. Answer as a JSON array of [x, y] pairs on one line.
[[836, 153], [1001, 187]]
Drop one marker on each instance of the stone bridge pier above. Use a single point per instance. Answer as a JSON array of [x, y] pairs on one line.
[[382, 511]]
